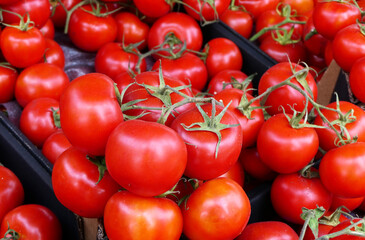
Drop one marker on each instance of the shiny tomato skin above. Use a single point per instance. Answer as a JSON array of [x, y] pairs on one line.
[[130, 157], [268, 230], [342, 169], [236, 173], [316, 43], [59, 15], [356, 80], [11, 191], [48, 29], [257, 7], [350, 203], [343, 225], [22, 48], [153, 8], [40, 80], [239, 20], [300, 6], [32, 221], [203, 161], [83, 107], [129, 216], [205, 9], [74, 181], [54, 53], [218, 209], [55, 145], [84, 26], [220, 81], [8, 78], [278, 142], [291, 192], [327, 137]]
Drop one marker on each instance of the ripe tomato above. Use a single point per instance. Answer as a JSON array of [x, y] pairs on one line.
[[55, 145], [291, 192], [285, 96], [207, 159], [136, 148], [8, 77], [341, 170], [300, 6], [316, 43], [11, 191], [22, 48], [40, 80], [84, 26], [218, 209], [204, 11], [268, 230], [343, 225], [48, 29], [350, 203], [239, 20], [59, 14], [131, 216], [236, 173], [327, 137], [75, 184], [222, 54], [278, 142], [220, 81], [256, 7], [32, 221], [83, 107], [54, 53], [356, 81], [153, 8]]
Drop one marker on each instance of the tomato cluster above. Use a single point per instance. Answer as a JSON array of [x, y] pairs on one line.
[[165, 135]]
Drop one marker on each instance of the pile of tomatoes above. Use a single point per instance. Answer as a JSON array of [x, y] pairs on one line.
[[161, 136]]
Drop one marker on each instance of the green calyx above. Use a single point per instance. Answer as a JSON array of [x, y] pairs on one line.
[[99, 161]]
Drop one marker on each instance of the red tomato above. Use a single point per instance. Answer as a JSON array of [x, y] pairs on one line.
[[278, 142], [256, 7], [327, 137], [316, 43], [22, 48], [218, 209], [300, 6], [350, 203], [220, 81], [153, 8], [39, 11], [131, 216], [207, 159], [291, 192], [239, 20], [8, 77], [32, 221], [83, 107], [188, 68], [36, 120], [40, 80], [54, 53], [342, 170], [131, 30], [268, 230], [75, 184], [204, 10], [55, 145], [59, 14], [285, 96], [84, 26], [330, 17], [222, 54], [11, 191], [8, 1], [345, 224], [111, 60], [236, 173], [183, 26], [356, 79], [136, 148]]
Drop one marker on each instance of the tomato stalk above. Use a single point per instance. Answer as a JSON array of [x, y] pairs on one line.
[[56, 117], [240, 85], [23, 25], [203, 20], [100, 163], [10, 234]]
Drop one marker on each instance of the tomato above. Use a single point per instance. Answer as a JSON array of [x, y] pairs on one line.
[[75, 184], [285, 96], [222, 54], [59, 14], [11, 191], [188, 68], [328, 53], [291, 192], [278, 142], [220, 81], [36, 120], [112, 59], [48, 29], [268, 230], [316, 43], [250, 122], [7, 1], [184, 28], [131, 30], [204, 11], [256, 7], [239, 20], [327, 137], [350, 203], [22, 48], [54, 53], [32, 221], [40, 80], [345, 224], [129, 216], [207, 159], [39, 11], [218, 209], [341, 170], [300, 6], [8, 77], [356, 80], [153, 8], [236, 173], [55, 145], [84, 26], [253, 165], [330, 17], [136, 148], [83, 107]]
